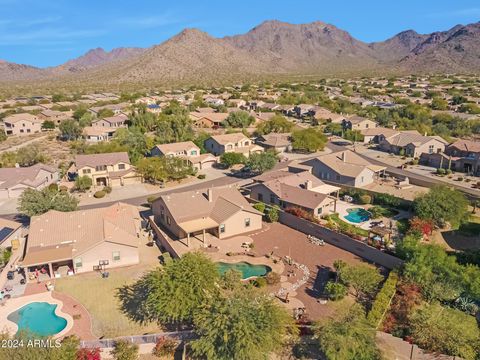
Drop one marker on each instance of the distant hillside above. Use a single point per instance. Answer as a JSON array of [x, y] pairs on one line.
[[271, 49]]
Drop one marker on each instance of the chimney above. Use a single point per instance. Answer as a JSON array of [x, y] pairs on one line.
[[344, 156], [308, 184], [210, 195]]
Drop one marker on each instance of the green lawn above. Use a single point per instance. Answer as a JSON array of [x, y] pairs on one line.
[[346, 227], [99, 298]]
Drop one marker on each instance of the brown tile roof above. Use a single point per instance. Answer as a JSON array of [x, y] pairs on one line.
[[93, 160], [121, 118], [346, 162], [19, 117], [190, 205], [466, 145], [78, 231], [176, 147], [275, 139], [404, 138], [23, 175], [228, 138]]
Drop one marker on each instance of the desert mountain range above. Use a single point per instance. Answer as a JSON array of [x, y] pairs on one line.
[[270, 49]]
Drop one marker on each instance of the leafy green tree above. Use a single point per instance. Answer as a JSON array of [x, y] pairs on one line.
[[446, 331], [442, 204], [3, 136], [103, 113], [335, 290], [34, 202], [362, 278], [79, 112], [70, 129], [174, 293], [232, 158], [29, 155], [83, 183], [58, 98], [48, 125], [124, 350], [85, 120], [334, 128], [241, 325], [239, 119], [272, 214], [200, 141], [348, 337], [155, 169], [310, 140], [276, 124], [135, 141], [144, 120], [262, 162]]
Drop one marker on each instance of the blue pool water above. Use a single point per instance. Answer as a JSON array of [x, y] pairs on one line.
[[38, 318], [247, 270], [357, 215]]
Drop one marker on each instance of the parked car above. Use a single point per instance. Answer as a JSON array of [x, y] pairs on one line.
[[11, 275]]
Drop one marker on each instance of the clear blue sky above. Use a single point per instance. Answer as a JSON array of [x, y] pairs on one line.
[[47, 33]]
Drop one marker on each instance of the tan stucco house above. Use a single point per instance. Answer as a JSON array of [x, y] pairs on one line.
[[14, 181], [66, 243], [237, 142], [186, 150], [22, 124], [222, 212], [412, 144], [112, 169]]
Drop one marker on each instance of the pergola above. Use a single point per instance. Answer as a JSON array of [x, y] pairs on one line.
[[380, 231], [197, 225]]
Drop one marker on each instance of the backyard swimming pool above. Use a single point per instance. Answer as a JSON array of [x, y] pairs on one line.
[[38, 318], [247, 270], [358, 215]]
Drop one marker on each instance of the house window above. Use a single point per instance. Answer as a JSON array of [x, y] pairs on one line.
[[272, 198], [260, 197], [87, 171], [430, 149], [361, 179], [319, 211], [193, 153], [121, 166], [338, 177], [116, 255], [162, 215], [247, 143], [101, 168], [168, 220], [78, 262], [222, 228], [247, 222]]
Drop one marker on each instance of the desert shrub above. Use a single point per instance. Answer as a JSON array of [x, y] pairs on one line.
[[53, 187], [272, 215], [201, 176], [441, 172], [386, 199], [107, 189], [272, 278], [151, 199], [99, 194], [165, 346], [365, 199], [124, 350], [260, 282], [260, 206], [335, 290]]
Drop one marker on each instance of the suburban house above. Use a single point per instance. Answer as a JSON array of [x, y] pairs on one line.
[[358, 123], [237, 142], [117, 121], [188, 151], [115, 108], [55, 116], [22, 124], [66, 243], [13, 181], [324, 114], [412, 144], [208, 120], [222, 212], [109, 169], [280, 142], [377, 134], [95, 134], [346, 168], [11, 234], [462, 155], [302, 190]]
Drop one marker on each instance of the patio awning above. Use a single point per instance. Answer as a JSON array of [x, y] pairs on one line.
[[326, 189], [42, 256], [198, 224], [376, 168]]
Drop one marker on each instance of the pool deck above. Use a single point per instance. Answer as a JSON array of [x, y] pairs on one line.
[[16, 303]]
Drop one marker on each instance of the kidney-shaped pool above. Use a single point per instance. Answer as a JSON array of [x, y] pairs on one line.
[[38, 318], [247, 270]]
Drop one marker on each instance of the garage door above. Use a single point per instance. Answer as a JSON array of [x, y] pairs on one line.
[[208, 164], [131, 180]]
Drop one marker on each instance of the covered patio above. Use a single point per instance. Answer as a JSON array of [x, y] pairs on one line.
[[47, 263], [198, 228]]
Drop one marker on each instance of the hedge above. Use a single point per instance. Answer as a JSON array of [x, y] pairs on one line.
[[382, 300]]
